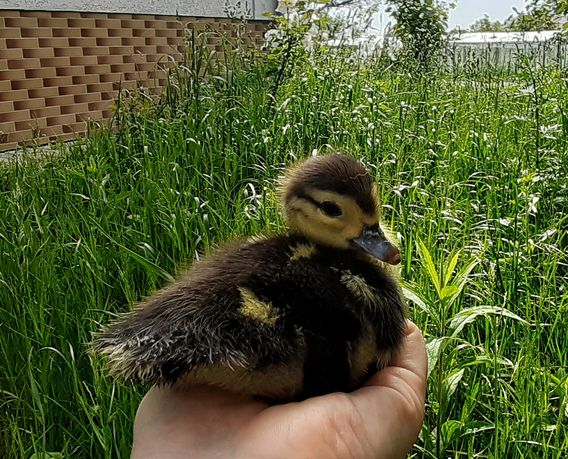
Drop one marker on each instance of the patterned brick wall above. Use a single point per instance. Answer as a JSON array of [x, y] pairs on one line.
[[60, 69]]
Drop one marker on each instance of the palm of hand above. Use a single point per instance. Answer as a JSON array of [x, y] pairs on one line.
[[379, 420]]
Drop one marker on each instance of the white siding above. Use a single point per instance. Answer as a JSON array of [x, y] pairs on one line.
[[505, 37], [252, 9]]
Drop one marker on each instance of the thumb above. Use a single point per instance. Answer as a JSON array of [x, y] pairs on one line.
[[393, 399]]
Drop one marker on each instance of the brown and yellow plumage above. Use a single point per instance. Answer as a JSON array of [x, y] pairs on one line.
[[281, 317]]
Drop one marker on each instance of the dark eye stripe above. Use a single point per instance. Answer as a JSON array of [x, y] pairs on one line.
[[308, 198], [327, 207]]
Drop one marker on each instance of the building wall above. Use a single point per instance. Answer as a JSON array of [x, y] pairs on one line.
[[60, 69], [250, 9]]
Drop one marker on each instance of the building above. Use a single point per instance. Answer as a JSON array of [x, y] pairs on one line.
[[505, 48], [62, 62]]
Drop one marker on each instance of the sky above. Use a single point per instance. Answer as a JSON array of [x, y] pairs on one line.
[[467, 12]]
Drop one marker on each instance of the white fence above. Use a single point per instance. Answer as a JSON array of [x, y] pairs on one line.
[[506, 49]]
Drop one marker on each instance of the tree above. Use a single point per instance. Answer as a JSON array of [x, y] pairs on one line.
[[535, 19], [539, 15], [420, 25], [485, 24]]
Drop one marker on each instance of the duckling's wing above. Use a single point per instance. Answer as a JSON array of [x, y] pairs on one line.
[[175, 333], [263, 318], [209, 322]]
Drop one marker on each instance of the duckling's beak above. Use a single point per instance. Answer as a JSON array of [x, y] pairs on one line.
[[373, 241]]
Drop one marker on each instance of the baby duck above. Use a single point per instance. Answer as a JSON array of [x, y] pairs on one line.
[[281, 317]]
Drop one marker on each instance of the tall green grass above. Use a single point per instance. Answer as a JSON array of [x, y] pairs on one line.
[[472, 172]]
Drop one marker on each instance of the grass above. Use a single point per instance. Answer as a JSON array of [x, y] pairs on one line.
[[472, 168]]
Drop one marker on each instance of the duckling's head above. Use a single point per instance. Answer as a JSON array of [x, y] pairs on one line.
[[333, 201]]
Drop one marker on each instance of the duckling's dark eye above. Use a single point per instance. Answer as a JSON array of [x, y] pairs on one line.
[[330, 209]]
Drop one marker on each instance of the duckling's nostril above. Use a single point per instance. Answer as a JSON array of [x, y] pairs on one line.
[[395, 259], [374, 242]]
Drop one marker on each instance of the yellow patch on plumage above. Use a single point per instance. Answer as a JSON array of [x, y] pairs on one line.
[[122, 361], [359, 288], [280, 382], [375, 193], [257, 238], [302, 251], [256, 309], [393, 270], [363, 353]]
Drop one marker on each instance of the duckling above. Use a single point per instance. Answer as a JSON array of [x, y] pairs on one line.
[[281, 317]]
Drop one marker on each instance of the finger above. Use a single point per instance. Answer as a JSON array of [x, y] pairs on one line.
[[185, 423], [391, 403], [408, 369], [411, 356]]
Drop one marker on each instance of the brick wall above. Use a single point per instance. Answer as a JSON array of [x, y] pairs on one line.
[[60, 69]]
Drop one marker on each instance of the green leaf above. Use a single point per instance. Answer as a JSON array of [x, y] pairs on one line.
[[475, 427], [449, 291], [466, 316], [450, 267], [451, 430], [434, 348], [452, 381], [491, 360], [411, 294], [46, 455], [455, 289], [463, 275], [148, 264], [429, 263]]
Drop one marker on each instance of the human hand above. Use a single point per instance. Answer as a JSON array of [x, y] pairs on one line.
[[380, 420]]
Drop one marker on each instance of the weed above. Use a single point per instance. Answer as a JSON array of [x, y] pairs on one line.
[[472, 177]]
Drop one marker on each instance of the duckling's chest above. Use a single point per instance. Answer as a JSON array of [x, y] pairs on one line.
[[361, 286], [375, 300], [360, 307]]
